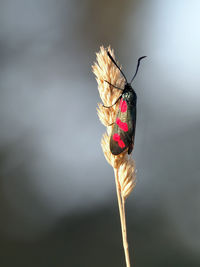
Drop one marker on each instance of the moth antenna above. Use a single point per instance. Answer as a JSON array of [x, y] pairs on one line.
[[108, 53], [138, 64]]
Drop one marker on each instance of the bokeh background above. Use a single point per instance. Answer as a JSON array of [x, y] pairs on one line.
[[58, 204]]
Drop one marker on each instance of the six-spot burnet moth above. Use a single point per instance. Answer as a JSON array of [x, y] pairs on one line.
[[123, 132]]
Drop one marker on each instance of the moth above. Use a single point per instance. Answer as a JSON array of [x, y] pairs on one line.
[[123, 132]]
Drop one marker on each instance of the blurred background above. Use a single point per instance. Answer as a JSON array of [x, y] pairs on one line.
[[58, 204]]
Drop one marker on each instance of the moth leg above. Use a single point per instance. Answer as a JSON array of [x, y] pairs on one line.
[[114, 103], [114, 86], [111, 124]]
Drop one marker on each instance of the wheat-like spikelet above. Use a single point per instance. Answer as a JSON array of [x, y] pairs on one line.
[[127, 179], [123, 165]]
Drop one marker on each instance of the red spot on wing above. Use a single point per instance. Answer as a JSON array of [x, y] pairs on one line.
[[123, 105], [122, 125], [117, 138], [121, 144]]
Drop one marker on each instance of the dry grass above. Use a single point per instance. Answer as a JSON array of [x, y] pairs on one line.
[[123, 164]]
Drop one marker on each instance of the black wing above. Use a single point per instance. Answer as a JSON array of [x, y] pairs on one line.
[[123, 132]]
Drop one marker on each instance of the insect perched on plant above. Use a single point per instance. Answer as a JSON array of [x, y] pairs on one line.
[[123, 132]]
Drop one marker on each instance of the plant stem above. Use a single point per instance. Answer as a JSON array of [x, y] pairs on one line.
[[125, 240], [121, 204]]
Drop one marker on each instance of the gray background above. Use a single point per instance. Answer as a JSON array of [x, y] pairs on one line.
[[58, 205]]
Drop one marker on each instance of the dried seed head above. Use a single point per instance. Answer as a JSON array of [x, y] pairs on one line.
[[127, 177]]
